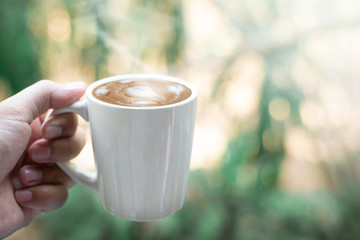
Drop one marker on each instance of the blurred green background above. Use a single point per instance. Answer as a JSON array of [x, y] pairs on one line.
[[276, 143]]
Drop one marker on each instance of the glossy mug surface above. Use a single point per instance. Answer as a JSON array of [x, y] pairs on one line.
[[142, 153]]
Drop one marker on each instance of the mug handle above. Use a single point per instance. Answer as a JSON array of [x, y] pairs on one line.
[[80, 175]]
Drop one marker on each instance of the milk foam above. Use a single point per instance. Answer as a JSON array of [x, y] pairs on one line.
[[143, 103], [177, 89], [102, 90], [141, 91]]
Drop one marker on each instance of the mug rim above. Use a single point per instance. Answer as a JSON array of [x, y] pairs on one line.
[[160, 77]]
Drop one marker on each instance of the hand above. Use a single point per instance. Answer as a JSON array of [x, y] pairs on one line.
[[30, 182]]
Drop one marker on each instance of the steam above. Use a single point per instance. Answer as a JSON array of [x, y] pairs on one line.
[[90, 25]]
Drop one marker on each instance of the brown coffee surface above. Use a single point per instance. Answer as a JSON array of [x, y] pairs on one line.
[[141, 92]]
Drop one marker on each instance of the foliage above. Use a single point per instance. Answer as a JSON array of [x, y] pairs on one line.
[[19, 59], [210, 212]]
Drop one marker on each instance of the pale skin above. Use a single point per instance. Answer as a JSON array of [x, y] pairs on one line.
[[30, 182]]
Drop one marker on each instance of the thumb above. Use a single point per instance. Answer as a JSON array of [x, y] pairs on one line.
[[35, 100]]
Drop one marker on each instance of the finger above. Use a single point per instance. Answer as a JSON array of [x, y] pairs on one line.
[[35, 134], [57, 150], [42, 197], [63, 125], [33, 101], [31, 175], [35, 131]]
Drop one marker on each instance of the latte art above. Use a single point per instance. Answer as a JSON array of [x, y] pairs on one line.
[[141, 93]]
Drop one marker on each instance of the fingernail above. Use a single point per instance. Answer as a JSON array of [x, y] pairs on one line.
[[23, 196], [78, 84], [33, 175], [40, 153], [53, 132]]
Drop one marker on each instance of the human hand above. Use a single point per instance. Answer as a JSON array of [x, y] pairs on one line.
[[30, 182]]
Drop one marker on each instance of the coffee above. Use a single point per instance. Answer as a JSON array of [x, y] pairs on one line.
[[141, 92]]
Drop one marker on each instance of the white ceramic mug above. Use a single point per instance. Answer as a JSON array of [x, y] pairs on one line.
[[142, 154]]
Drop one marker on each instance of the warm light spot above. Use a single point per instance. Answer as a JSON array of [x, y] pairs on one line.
[[116, 63], [312, 114], [117, 9], [242, 87], [59, 28], [279, 109], [300, 145], [306, 75], [209, 30], [209, 144], [337, 104], [242, 100], [299, 176]]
